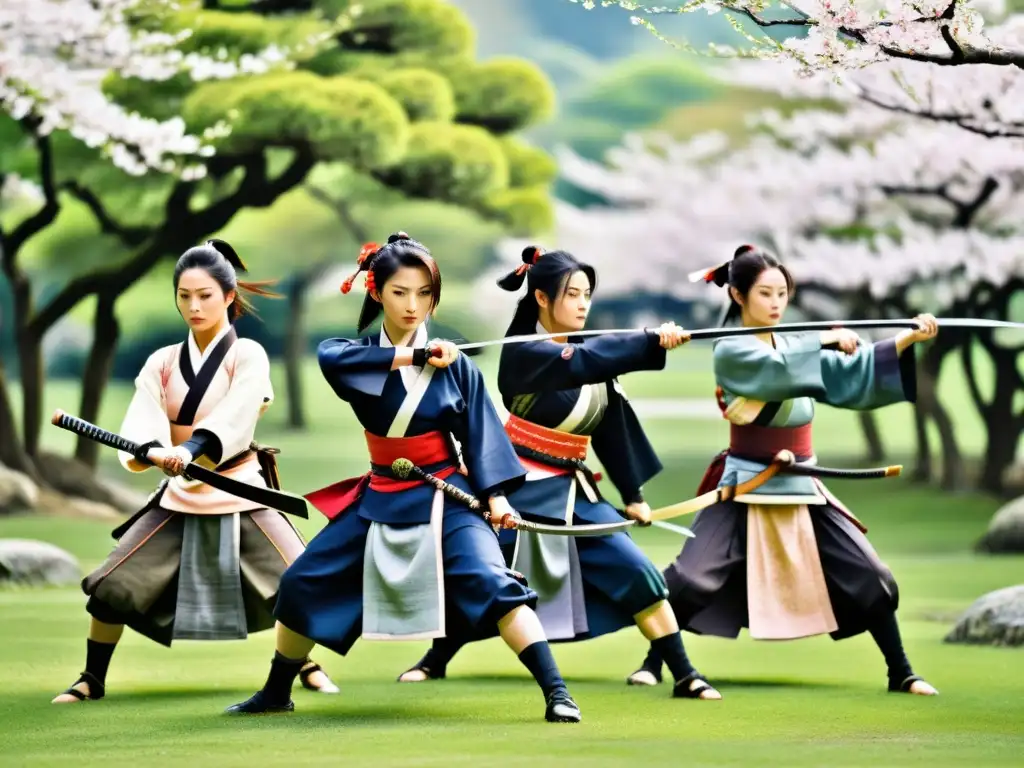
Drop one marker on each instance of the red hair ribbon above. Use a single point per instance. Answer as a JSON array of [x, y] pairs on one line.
[[367, 251], [537, 253], [371, 283]]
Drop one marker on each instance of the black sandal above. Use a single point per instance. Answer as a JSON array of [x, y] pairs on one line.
[[424, 666], [311, 667], [904, 685], [653, 664], [682, 689], [97, 690]]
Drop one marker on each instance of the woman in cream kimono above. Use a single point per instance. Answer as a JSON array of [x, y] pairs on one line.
[[195, 563], [789, 560], [564, 399]]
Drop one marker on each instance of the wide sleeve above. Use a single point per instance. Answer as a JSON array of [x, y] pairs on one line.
[[491, 461], [233, 420], [352, 366], [747, 367], [873, 377], [145, 421], [623, 449], [544, 365]]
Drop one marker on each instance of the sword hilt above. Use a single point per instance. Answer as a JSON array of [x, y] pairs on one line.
[[851, 474], [403, 468], [87, 429]]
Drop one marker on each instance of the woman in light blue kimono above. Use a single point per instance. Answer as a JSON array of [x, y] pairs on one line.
[[788, 560], [399, 560], [564, 399]]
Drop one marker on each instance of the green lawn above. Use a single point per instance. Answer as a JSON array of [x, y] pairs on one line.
[[812, 702]]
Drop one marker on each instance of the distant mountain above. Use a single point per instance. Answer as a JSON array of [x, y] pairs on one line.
[[514, 27]]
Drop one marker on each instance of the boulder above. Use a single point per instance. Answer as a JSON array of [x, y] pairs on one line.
[[17, 491], [35, 563], [994, 619], [54, 503], [1005, 532]]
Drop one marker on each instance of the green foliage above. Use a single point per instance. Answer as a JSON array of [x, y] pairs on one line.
[[388, 33], [525, 211], [216, 33], [502, 95], [344, 119], [158, 99], [528, 165], [456, 163], [424, 95]]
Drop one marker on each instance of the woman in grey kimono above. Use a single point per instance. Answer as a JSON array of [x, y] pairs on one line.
[[788, 560], [195, 563]]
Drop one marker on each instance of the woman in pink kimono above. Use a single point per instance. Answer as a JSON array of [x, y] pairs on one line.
[[195, 563]]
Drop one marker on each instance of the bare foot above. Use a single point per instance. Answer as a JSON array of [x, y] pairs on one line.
[[642, 677], [69, 698], [921, 688], [413, 676]]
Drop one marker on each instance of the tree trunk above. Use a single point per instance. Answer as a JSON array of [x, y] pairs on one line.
[[929, 406], [954, 473], [923, 465], [97, 373], [294, 351], [1000, 453], [1002, 426], [869, 426], [12, 453]]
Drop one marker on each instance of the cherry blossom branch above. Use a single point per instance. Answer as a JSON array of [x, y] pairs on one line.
[[45, 215], [844, 34], [182, 227], [130, 236], [965, 209]]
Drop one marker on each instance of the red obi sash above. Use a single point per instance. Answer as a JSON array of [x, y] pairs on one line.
[[561, 445], [421, 450], [757, 443], [544, 441]]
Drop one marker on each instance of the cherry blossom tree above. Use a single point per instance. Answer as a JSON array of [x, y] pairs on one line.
[[877, 211], [840, 35], [61, 62]]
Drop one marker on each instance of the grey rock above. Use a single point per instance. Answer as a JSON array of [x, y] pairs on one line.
[[994, 619], [1005, 532], [36, 563], [17, 491]]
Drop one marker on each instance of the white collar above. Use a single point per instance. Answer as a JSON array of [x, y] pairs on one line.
[[419, 339], [197, 358], [408, 373]]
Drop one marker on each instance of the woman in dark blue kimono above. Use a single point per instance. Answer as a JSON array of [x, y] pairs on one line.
[[788, 559], [563, 396], [398, 559]]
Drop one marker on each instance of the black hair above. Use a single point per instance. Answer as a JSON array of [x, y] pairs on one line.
[[381, 263], [221, 262], [545, 271], [742, 271]]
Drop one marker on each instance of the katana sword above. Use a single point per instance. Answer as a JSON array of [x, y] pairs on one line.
[[730, 492], [403, 468], [263, 496], [720, 333]]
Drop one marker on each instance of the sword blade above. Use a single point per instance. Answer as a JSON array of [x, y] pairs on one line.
[[682, 531], [720, 333], [595, 529], [264, 497]]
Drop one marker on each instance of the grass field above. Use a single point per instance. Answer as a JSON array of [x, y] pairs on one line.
[[806, 703]]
